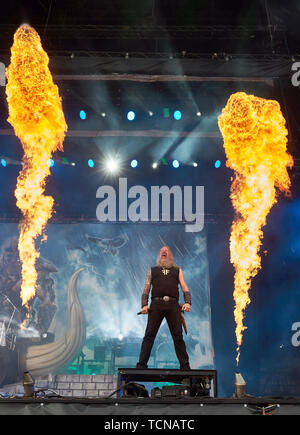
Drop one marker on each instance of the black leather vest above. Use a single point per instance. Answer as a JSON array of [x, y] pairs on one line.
[[165, 282]]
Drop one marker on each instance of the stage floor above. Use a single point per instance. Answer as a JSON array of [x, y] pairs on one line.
[[141, 407]]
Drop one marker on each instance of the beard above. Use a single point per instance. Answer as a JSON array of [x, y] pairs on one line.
[[165, 262]]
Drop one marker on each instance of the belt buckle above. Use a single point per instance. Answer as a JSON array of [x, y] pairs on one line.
[[166, 298]]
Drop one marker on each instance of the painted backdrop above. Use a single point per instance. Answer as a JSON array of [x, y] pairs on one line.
[[114, 259]]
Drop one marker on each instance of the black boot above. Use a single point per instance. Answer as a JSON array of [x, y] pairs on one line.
[[141, 366]]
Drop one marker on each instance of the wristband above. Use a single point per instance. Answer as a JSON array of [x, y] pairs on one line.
[[187, 298]]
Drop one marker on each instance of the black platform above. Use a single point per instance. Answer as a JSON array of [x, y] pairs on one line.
[[126, 375], [141, 408]]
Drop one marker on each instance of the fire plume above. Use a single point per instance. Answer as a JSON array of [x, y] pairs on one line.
[[35, 112], [255, 142]]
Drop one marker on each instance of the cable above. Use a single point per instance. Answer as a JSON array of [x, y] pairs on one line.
[[43, 390], [47, 19], [125, 387]]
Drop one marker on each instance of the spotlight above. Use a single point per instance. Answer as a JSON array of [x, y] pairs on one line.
[[120, 337], [112, 165], [50, 163], [175, 164], [217, 164], [198, 114], [177, 115], [154, 165], [3, 162], [134, 163], [82, 115], [195, 164], [130, 115], [47, 337], [91, 163], [103, 114], [166, 112], [150, 113]]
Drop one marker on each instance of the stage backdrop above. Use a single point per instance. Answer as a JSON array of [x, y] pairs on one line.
[[114, 259]]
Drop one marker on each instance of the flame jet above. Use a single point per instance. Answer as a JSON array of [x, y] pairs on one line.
[[35, 112], [255, 142]]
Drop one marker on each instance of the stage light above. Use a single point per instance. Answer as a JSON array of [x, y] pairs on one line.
[[175, 164], [103, 114], [198, 114], [166, 112], [47, 337], [120, 337], [177, 115], [50, 163], [217, 164], [134, 163], [82, 115], [130, 115], [3, 162], [154, 165], [195, 164], [112, 165], [150, 113], [91, 163]]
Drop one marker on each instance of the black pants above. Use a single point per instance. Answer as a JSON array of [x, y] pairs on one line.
[[158, 311]]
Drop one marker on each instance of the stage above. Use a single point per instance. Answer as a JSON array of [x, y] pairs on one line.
[[149, 164], [121, 402], [139, 408]]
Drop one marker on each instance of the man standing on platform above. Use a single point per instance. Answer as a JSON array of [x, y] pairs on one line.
[[164, 279]]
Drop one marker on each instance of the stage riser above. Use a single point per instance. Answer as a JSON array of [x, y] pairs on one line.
[[142, 413], [92, 386]]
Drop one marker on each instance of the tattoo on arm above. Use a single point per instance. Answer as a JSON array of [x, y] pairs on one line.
[[146, 291], [147, 283], [185, 289]]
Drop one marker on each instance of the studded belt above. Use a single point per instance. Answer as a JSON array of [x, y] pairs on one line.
[[164, 298]]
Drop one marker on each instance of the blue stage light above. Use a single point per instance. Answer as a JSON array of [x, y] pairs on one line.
[[50, 163], [217, 164], [175, 164], [134, 163], [130, 115], [82, 115], [177, 115], [3, 162], [91, 163]]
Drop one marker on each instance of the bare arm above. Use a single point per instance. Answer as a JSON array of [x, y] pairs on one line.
[[186, 293]]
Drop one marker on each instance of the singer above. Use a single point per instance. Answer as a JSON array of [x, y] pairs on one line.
[[164, 280]]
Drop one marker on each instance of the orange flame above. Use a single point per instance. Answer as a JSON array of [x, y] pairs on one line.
[[35, 112], [255, 142]]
